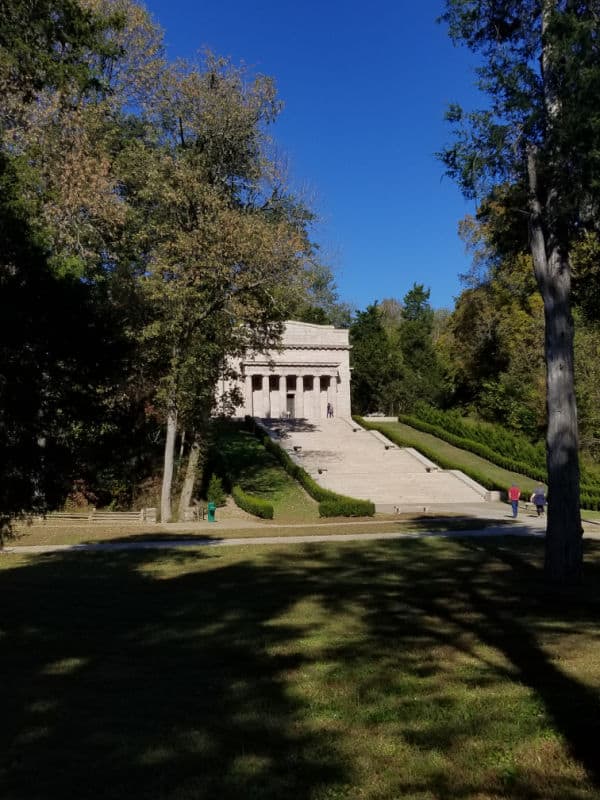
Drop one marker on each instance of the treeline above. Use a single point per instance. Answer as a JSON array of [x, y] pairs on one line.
[[484, 358], [395, 363], [147, 231]]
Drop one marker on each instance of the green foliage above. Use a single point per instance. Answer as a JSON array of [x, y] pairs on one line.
[[252, 504], [331, 504], [416, 306], [432, 454], [345, 507], [492, 146], [393, 358], [422, 372], [319, 303], [585, 262], [504, 448], [215, 492], [493, 341], [52, 44], [376, 363], [240, 458]]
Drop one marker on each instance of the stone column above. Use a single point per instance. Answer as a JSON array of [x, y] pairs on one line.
[[343, 388], [300, 396], [317, 397], [333, 393], [306, 397], [266, 405], [248, 409], [282, 396]]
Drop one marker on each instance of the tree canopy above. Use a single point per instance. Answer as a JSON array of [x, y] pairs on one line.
[[144, 201], [539, 134]]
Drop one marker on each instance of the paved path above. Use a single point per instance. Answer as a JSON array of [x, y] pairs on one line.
[[500, 530], [526, 525]]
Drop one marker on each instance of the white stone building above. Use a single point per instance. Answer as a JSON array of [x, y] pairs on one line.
[[310, 370]]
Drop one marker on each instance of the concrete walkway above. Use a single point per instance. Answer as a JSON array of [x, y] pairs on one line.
[[518, 529], [527, 524], [188, 544]]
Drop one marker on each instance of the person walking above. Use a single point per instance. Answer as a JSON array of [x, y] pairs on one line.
[[514, 493], [538, 498]]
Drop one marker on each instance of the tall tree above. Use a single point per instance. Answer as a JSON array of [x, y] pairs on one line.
[[48, 49], [217, 235], [376, 362], [540, 69], [422, 374]]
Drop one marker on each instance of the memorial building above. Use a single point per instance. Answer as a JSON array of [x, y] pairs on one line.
[[307, 374]]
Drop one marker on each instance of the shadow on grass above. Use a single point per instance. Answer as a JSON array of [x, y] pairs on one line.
[[173, 539], [493, 606], [177, 675], [118, 684], [248, 463]]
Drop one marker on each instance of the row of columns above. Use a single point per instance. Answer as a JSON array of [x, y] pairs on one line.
[[296, 396]]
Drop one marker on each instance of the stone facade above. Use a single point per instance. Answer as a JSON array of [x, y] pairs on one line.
[[311, 369]]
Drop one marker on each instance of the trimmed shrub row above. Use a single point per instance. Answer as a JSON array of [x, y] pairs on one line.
[[494, 437], [331, 504], [252, 504], [588, 500], [341, 506], [511, 464], [431, 453], [504, 448]]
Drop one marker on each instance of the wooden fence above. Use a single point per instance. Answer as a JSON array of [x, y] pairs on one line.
[[145, 515]]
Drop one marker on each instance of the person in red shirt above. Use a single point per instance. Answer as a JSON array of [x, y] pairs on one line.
[[513, 495]]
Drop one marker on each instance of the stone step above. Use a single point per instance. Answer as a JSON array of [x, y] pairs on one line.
[[350, 460]]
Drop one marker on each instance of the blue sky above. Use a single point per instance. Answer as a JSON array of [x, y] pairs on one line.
[[365, 88]]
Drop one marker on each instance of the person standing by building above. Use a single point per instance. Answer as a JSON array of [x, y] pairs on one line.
[[514, 493]]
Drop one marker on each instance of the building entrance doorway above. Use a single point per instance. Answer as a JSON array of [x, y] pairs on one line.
[[289, 405]]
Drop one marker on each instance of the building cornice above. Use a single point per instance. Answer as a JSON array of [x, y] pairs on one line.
[[314, 346]]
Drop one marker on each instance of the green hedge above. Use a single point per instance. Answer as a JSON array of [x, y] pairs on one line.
[[494, 438], [432, 454], [511, 464], [331, 504], [342, 506], [590, 500], [504, 448], [252, 504]]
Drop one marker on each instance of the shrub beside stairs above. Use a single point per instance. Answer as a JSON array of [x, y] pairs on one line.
[[343, 457], [331, 504]]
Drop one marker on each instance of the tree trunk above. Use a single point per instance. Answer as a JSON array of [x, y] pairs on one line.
[[564, 550], [191, 475], [165, 498]]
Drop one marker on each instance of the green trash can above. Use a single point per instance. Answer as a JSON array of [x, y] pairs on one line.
[[212, 507]]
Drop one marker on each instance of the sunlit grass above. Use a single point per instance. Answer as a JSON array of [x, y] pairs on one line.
[[54, 533], [423, 669], [463, 459], [260, 474]]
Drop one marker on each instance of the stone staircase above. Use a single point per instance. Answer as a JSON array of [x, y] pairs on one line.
[[342, 456]]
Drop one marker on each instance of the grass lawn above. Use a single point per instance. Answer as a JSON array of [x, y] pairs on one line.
[[259, 473], [421, 670], [54, 533], [462, 458]]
